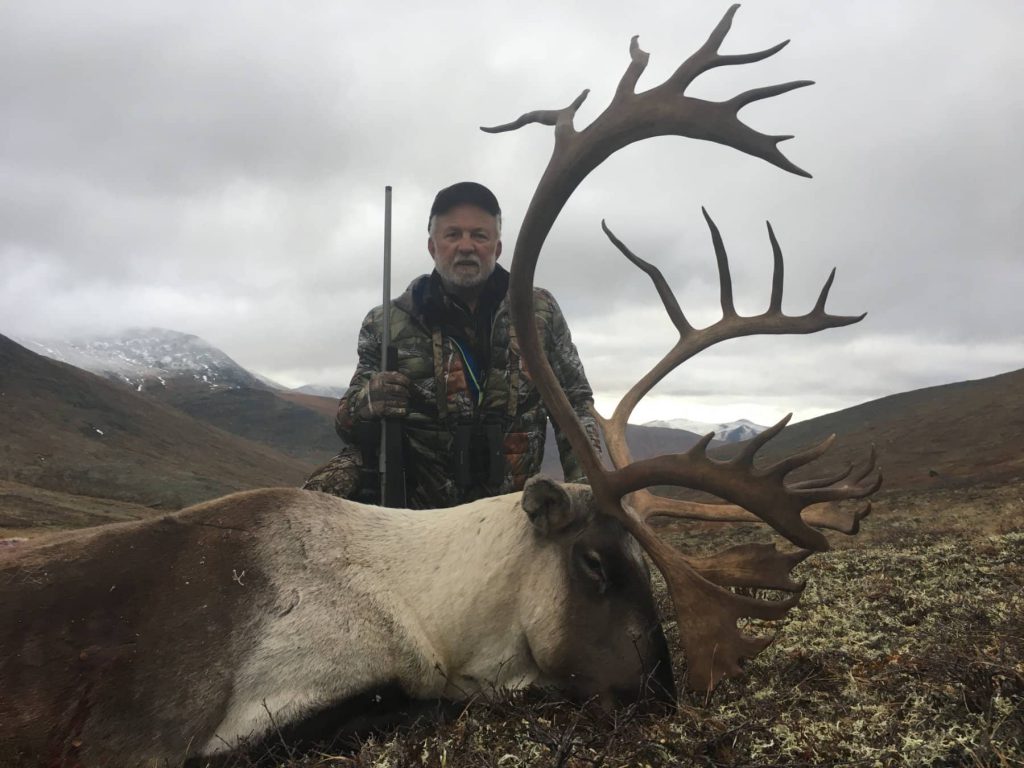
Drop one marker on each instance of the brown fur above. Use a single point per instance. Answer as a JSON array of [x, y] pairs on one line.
[[112, 617]]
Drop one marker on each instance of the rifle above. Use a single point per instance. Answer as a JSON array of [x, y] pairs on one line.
[[391, 465]]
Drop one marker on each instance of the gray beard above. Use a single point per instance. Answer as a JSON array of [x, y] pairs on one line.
[[457, 280]]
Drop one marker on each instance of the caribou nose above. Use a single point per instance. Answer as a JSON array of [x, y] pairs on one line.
[[657, 691]]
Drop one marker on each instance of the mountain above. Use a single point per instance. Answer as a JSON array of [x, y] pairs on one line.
[[68, 430], [150, 358], [193, 376], [321, 390], [644, 441], [269, 383], [728, 432]]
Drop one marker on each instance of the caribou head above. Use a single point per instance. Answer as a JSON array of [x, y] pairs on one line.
[[707, 610]]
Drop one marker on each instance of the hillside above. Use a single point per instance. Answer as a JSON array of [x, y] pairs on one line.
[[644, 442], [67, 430], [27, 510], [295, 425], [944, 436]]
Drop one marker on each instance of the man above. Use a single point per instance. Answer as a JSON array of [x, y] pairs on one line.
[[473, 423]]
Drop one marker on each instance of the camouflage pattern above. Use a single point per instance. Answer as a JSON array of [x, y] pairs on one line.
[[339, 476], [441, 397]]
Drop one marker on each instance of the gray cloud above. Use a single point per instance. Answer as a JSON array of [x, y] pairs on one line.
[[219, 170]]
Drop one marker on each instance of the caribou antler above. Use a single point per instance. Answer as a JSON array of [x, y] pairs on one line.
[[691, 341], [707, 613]]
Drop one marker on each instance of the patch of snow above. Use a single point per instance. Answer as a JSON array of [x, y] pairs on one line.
[[729, 432], [139, 356]]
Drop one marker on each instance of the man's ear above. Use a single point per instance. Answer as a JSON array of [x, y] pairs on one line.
[[549, 506], [431, 247], [497, 251]]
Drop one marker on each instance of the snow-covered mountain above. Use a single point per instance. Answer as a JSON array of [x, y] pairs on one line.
[[730, 432], [144, 358]]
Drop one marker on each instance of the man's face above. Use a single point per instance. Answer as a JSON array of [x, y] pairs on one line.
[[465, 245]]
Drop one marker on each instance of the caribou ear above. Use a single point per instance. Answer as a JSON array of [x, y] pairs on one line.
[[549, 506]]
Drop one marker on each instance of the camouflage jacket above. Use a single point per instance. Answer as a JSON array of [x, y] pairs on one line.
[[435, 335]]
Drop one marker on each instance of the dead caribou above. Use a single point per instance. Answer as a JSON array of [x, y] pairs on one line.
[[186, 635]]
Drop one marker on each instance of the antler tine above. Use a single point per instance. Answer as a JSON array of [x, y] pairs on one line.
[[821, 482], [856, 477], [784, 466], [828, 516], [854, 490], [637, 64], [778, 272], [707, 56], [758, 94], [746, 456], [668, 299], [724, 276], [834, 321], [869, 466], [755, 566], [824, 516], [554, 117]]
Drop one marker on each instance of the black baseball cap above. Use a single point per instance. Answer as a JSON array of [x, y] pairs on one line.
[[464, 193]]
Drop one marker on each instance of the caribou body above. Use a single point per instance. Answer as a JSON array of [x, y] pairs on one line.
[[189, 634]]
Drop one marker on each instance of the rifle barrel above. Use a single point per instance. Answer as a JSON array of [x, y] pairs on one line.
[[392, 471]]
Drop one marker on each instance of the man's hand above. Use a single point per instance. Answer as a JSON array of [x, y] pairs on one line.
[[386, 395]]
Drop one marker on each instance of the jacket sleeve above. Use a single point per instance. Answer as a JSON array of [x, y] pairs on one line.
[[352, 402], [565, 361]]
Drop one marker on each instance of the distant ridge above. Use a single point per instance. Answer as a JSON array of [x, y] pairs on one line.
[[644, 441], [727, 432], [320, 390]]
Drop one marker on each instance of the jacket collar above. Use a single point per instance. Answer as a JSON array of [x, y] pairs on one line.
[[427, 300]]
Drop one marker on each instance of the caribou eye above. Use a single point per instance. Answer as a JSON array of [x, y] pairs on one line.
[[593, 567]]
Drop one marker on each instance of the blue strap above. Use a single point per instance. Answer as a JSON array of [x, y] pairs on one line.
[[473, 380]]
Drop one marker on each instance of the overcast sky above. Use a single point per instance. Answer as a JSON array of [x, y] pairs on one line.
[[218, 168]]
